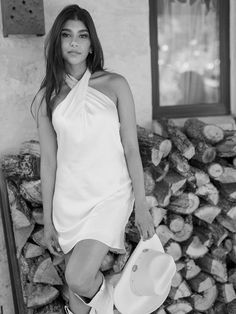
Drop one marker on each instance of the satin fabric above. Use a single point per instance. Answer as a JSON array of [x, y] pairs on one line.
[[93, 196]]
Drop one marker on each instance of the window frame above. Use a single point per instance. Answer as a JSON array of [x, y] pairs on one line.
[[183, 111]]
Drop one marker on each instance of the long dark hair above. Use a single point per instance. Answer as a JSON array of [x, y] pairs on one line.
[[55, 67]]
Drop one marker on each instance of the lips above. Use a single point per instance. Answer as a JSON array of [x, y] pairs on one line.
[[74, 52]]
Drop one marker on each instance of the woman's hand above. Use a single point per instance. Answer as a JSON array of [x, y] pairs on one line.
[[144, 221], [51, 240]]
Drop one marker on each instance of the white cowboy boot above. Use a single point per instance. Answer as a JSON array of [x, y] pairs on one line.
[[102, 302]]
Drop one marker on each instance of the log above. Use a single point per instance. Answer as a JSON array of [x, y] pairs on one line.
[[55, 307], [218, 232], [164, 234], [186, 232], [232, 276], [37, 214], [31, 191], [214, 267], [209, 193], [151, 200], [131, 232], [226, 292], [152, 146], [204, 152], [160, 171], [41, 295], [219, 308], [162, 193], [227, 222], [175, 222], [158, 214], [121, 260], [32, 250], [231, 307], [179, 163], [174, 180], [174, 249], [228, 208], [43, 271], [21, 166], [38, 236], [200, 177], [213, 169], [160, 310], [207, 213], [58, 259], [228, 175], [228, 245], [179, 306], [219, 252], [205, 301], [201, 282], [232, 254], [20, 213], [191, 269], [182, 291], [197, 129], [107, 262], [205, 235], [30, 147], [227, 147], [176, 280], [228, 190], [194, 248], [179, 139], [184, 204], [21, 235], [180, 265]]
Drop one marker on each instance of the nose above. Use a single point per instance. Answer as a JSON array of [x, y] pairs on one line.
[[74, 43]]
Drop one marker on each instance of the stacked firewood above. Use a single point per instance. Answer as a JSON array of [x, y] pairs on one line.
[[190, 184]]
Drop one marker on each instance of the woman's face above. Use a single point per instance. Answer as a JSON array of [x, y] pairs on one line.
[[75, 43]]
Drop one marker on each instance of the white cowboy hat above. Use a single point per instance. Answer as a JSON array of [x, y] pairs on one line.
[[146, 279]]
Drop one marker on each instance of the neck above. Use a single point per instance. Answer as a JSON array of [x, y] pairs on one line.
[[76, 71]]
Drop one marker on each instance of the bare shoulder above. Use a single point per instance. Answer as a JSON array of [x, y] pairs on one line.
[[109, 78]]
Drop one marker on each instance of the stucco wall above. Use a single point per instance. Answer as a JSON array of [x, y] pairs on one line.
[[122, 27]]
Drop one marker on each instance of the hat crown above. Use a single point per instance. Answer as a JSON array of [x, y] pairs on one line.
[[152, 273]]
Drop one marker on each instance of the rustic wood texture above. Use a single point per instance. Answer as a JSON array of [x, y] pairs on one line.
[[191, 190]]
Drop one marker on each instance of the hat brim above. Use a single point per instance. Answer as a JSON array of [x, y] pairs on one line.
[[126, 301]]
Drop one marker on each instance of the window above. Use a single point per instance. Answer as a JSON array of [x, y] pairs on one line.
[[190, 57]]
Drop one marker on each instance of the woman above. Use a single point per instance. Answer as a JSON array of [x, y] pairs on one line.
[[91, 171]]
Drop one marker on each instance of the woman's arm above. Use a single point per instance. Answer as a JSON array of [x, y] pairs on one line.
[[48, 165], [128, 132]]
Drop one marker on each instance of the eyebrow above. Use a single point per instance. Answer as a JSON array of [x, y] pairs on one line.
[[80, 31]]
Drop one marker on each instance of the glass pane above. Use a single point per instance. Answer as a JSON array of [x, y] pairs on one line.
[[189, 60]]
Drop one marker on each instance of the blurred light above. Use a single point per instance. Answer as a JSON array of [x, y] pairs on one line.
[[160, 62], [193, 42], [217, 62], [185, 65], [196, 53], [164, 48], [210, 66]]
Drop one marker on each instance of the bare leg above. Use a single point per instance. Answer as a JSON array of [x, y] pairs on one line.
[[82, 272]]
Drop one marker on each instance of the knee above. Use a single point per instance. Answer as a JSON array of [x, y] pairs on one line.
[[80, 279]]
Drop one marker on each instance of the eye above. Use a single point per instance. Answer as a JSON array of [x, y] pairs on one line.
[[85, 35], [65, 35]]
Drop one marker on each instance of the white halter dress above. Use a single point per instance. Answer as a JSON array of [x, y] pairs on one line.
[[93, 196]]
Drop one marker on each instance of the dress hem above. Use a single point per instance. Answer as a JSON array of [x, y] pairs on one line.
[[112, 248]]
